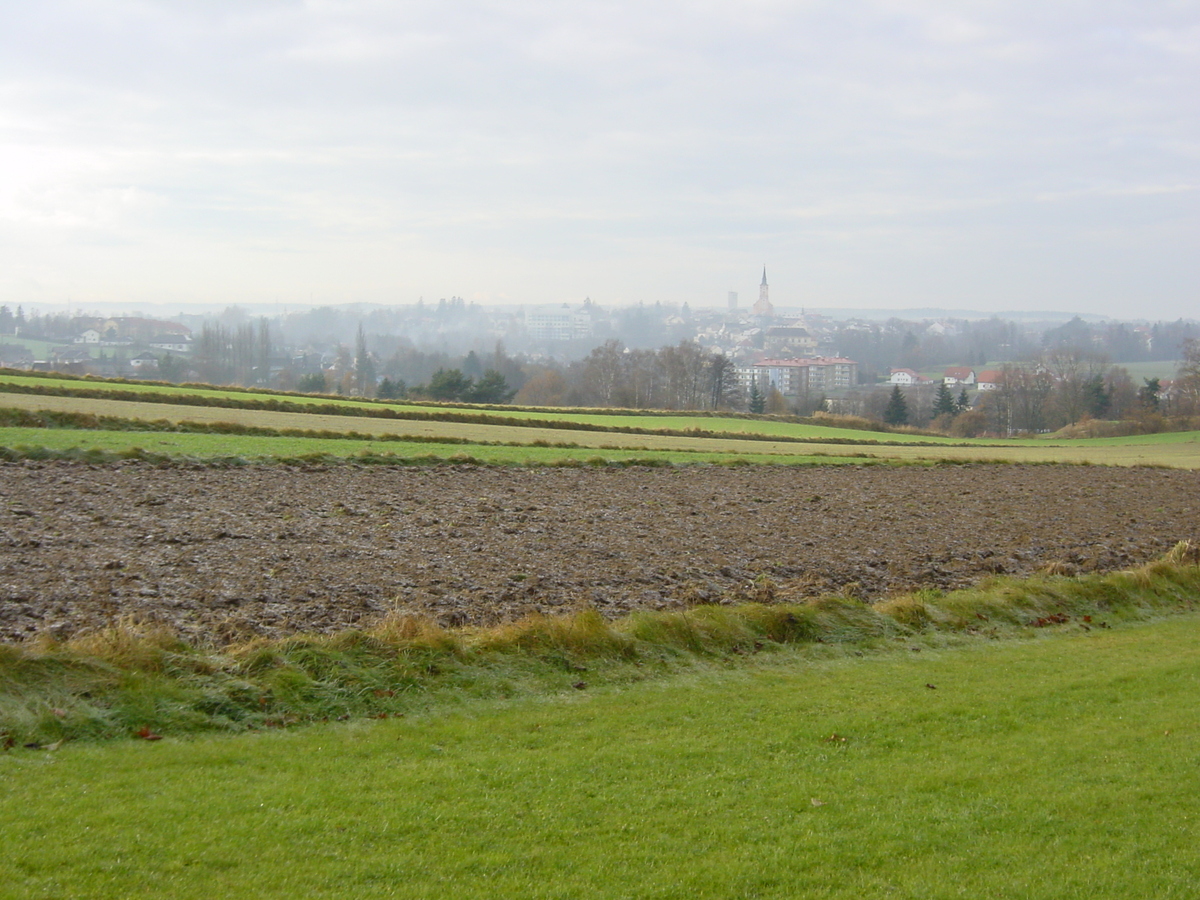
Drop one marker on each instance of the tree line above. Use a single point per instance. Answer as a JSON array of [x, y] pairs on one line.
[[1060, 387]]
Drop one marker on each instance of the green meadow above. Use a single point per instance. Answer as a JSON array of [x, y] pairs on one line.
[[25, 442], [477, 432], [493, 446], [1066, 766], [649, 420]]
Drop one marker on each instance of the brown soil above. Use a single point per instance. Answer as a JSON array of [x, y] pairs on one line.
[[226, 554]]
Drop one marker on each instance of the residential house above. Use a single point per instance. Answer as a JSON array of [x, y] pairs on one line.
[[907, 377], [784, 341], [15, 356], [989, 379], [959, 375], [173, 343], [71, 354]]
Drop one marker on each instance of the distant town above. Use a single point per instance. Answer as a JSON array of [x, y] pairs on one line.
[[966, 376]]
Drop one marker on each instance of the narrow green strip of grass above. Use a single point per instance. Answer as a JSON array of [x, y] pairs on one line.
[[165, 446]]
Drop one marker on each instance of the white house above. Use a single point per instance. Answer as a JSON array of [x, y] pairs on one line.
[[959, 375], [906, 377], [176, 343], [988, 380]]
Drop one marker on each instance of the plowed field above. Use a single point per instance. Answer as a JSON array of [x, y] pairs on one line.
[[228, 553]]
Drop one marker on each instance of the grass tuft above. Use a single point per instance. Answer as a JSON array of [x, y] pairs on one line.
[[585, 634], [128, 645]]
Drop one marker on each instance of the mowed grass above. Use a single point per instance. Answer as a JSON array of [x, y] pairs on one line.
[[649, 420], [1059, 767], [616, 418], [1179, 449], [1176, 450], [254, 447], [428, 429], [614, 448]]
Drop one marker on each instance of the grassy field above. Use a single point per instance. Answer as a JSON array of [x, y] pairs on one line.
[[614, 419], [251, 447], [774, 441], [1062, 767], [1176, 450], [41, 349], [1162, 369], [1181, 450]]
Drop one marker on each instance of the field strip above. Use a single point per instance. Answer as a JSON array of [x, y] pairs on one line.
[[647, 420], [1178, 454], [408, 427]]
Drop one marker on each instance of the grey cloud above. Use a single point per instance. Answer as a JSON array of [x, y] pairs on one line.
[[520, 131]]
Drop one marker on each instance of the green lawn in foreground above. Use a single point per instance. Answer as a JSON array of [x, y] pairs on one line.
[[1061, 767]]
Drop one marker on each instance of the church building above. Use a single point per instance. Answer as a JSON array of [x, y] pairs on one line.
[[763, 307]]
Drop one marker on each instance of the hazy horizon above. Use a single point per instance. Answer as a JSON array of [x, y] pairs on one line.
[[879, 155]]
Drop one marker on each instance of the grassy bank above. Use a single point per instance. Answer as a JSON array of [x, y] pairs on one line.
[[1050, 768], [133, 679]]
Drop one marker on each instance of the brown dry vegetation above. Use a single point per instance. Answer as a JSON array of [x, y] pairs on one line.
[[225, 554]]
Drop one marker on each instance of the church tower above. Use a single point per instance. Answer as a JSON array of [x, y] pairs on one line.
[[763, 307]]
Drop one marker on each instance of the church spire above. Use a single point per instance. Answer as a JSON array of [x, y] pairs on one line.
[[763, 306]]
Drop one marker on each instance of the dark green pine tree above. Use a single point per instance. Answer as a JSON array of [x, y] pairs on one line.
[[1148, 394], [896, 412], [758, 403], [964, 402], [943, 403]]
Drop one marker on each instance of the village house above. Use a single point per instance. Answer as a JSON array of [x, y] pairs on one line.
[[175, 343], [71, 354], [784, 341], [959, 375], [15, 356], [907, 377], [989, 380]]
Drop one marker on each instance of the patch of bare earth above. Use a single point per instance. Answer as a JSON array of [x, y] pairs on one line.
[[224, 554]]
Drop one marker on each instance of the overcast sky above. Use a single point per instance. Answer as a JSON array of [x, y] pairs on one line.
[[1011, 155]]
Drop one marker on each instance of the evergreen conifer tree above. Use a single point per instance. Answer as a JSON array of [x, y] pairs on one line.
[[896, 412], [758, 402], [943, 403]]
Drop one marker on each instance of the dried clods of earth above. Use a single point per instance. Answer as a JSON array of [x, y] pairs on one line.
[[223, 554]]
